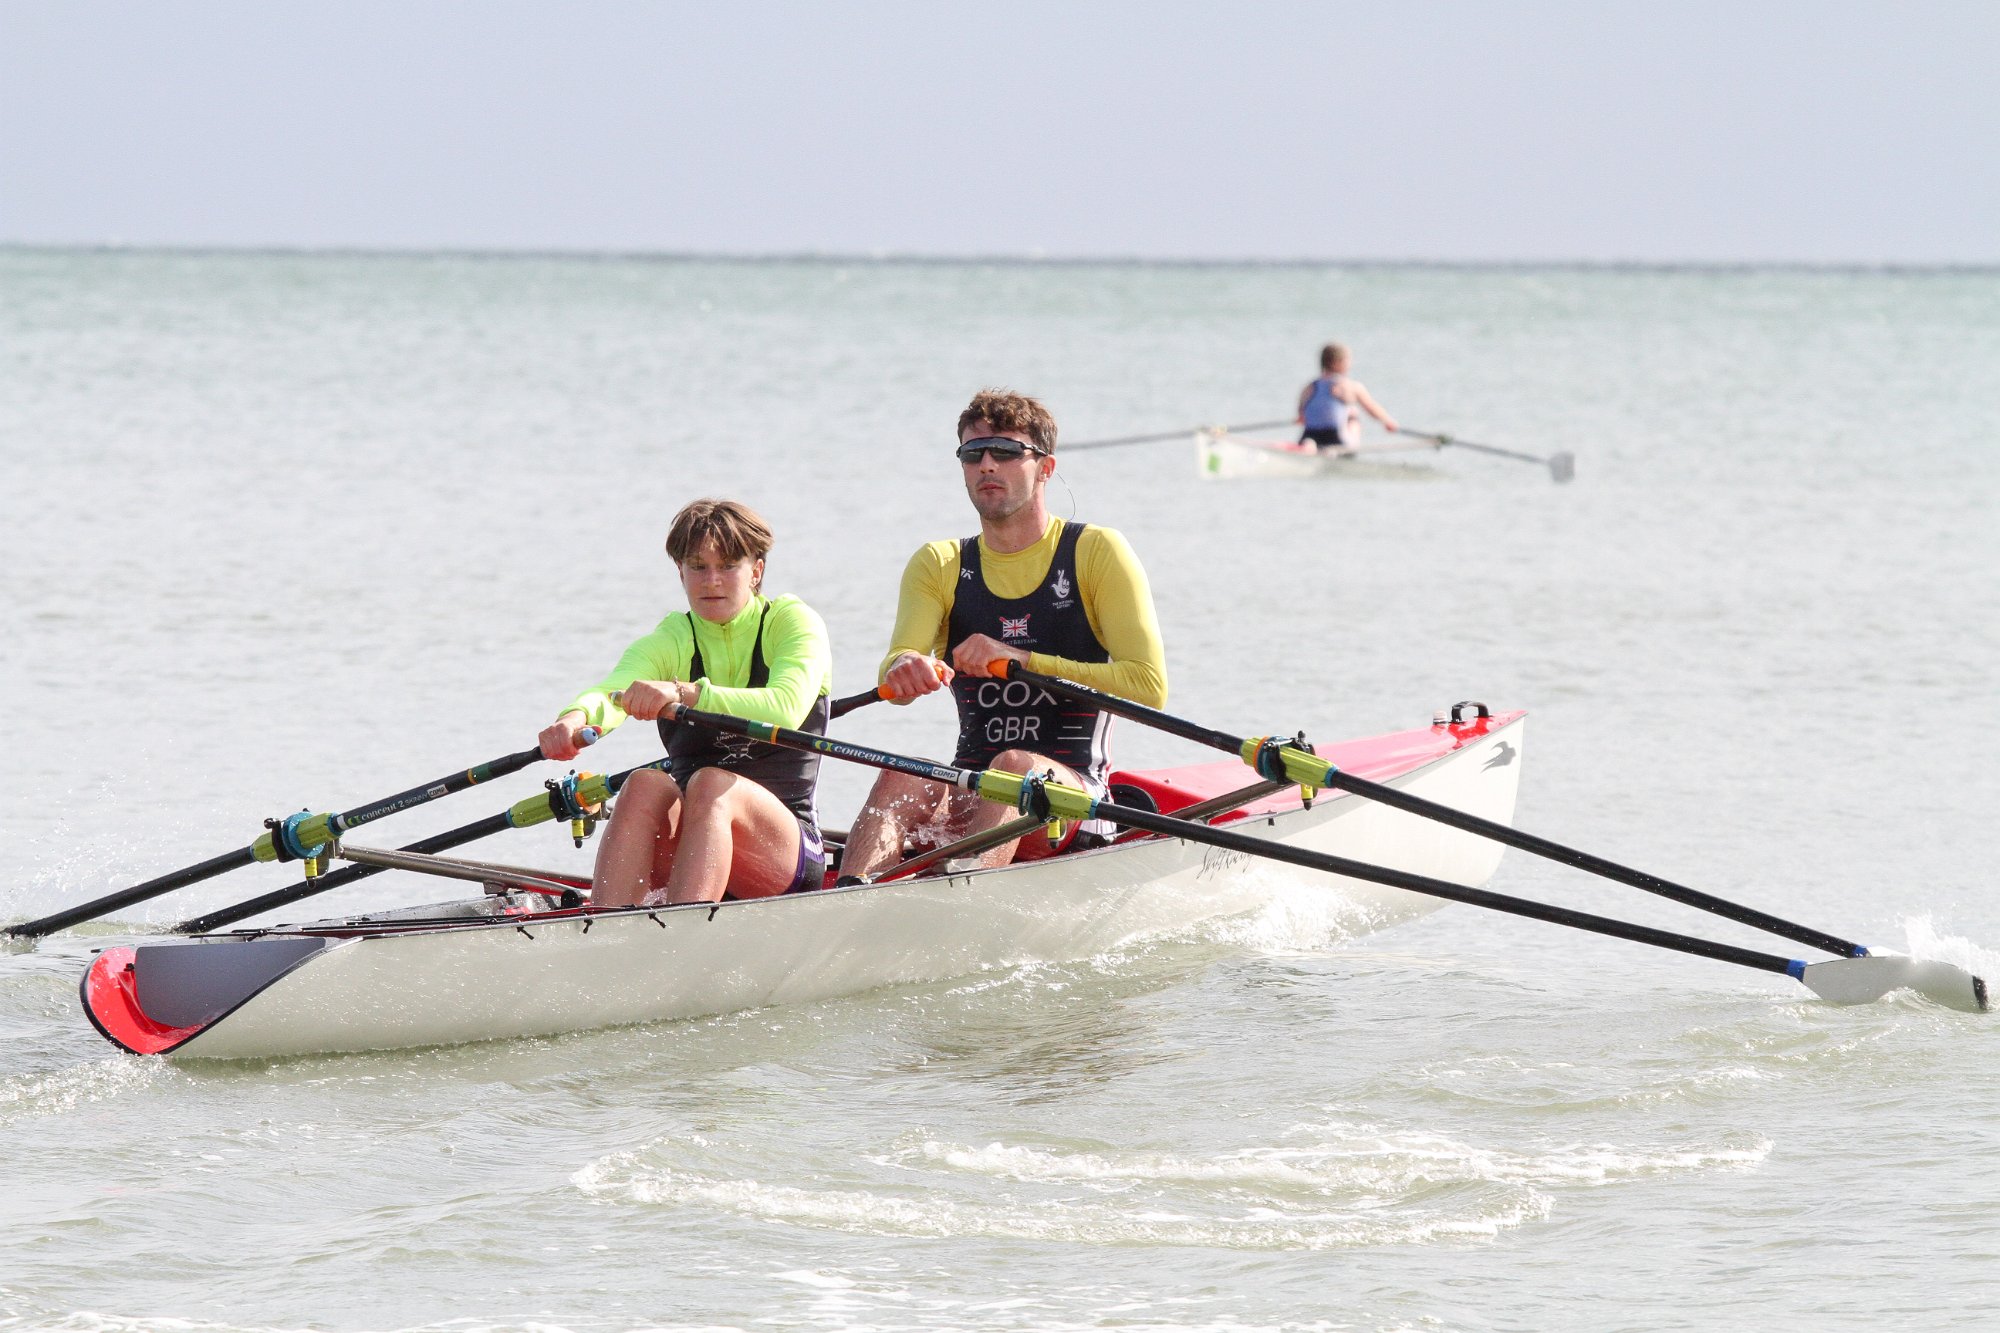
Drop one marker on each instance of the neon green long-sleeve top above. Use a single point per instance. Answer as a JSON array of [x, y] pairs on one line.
[[1117, 600], [797, 654]]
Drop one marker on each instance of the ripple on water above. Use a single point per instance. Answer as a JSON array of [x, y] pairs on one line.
[[1324, 1186]]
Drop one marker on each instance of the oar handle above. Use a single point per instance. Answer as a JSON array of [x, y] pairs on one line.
[[880, 694]]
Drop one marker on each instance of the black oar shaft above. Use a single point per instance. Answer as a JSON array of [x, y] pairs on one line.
[[1561, 466], [1148, 821], [1596, 865], [1459, 819], [1228, 840], [437, 842], [431, 791], [195, 874], [138, 893]]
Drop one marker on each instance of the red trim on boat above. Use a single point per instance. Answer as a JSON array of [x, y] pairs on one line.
[[111, 1002]]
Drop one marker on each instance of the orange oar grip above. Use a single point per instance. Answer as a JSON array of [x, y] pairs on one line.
[[999, 667]]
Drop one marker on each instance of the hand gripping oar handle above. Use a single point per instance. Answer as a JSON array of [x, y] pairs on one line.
[[1561, 466], [880, 694], [1308, 769], [1051, 800], [590, 790], [284, 842]]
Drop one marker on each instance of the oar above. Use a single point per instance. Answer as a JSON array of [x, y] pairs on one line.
[[841, 707], [1561, 466], [1273, 757], [1841, 980], [290, 839], [564, 800], [1117, 441]]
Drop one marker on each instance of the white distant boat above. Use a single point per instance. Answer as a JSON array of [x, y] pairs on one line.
[[505, 965], [1222, 456]]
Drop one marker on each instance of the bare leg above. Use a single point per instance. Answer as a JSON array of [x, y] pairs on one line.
[[638, 848], [991, 814], [896, 804], [736, 837]]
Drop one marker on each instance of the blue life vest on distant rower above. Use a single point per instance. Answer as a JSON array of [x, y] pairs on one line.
[[1323, 411], [998, 715]]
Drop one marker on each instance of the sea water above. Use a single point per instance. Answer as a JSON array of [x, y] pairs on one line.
[[285, 531]]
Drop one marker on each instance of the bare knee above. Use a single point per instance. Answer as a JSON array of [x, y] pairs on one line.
[[712, 784], [651, 784], [1020, 761]]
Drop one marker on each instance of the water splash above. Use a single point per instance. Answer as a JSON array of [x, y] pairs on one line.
[[1923, 939], [1325, 1186], [26, 1095]]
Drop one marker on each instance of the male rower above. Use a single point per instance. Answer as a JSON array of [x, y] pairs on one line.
[[1062, 598], [1330, 407]]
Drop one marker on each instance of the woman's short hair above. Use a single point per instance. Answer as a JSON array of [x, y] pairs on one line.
[[1003, 409], [1332, 355], [737, 530]]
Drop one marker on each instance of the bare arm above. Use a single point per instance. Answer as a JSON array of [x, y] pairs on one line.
[[1366, 402]]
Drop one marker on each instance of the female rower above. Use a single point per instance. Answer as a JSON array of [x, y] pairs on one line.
[[729, 815]]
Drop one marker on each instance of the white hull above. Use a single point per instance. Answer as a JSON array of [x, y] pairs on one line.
[[1225, 457], [492, 979]]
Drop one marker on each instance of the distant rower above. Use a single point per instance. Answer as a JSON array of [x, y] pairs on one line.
[[1330, 407]]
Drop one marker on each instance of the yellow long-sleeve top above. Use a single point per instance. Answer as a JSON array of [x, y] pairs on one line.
[[797, 655], [1117, 600]]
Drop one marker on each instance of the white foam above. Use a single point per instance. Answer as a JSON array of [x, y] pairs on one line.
[[1327, 1186], [1347, 1158], [1923, 939], [27, 1095], [932, 1214]]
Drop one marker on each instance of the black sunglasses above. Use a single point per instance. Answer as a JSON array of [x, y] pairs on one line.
[[1000, 447]]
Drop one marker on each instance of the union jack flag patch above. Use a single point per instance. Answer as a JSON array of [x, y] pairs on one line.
[[1011, 628]]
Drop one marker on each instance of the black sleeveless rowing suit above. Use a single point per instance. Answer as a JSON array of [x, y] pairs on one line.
[[995, 715], [790, 775]]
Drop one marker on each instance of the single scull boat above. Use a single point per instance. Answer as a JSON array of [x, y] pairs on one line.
[[1222, 456]]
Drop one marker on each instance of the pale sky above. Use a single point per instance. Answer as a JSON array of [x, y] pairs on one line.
[[1396, 129]]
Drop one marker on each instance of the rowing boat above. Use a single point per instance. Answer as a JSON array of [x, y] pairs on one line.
[[505, 966], [1223, 456]]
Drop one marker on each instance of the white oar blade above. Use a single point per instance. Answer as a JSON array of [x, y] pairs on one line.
[[1860, 980], [1562, 466]]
